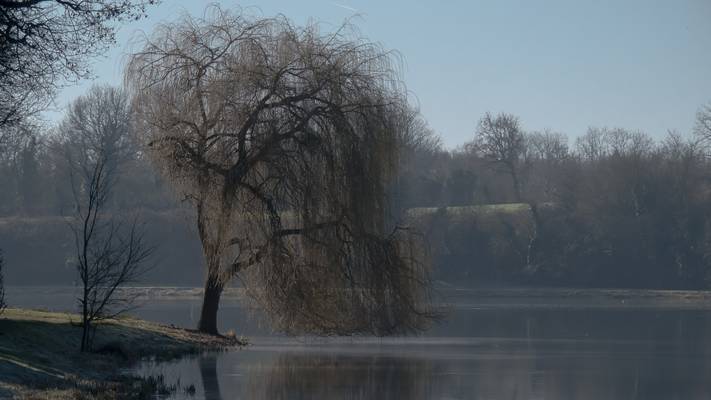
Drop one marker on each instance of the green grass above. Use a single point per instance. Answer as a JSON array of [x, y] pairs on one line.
[[477, 210], [39, 355]]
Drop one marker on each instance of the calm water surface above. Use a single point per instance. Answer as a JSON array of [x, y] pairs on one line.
[[487, 349]]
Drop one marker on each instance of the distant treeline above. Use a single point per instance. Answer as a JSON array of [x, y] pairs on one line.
[[615, 208], [35, 176], [40, 250]]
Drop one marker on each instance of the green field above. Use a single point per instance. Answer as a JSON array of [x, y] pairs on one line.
[[483, 209]]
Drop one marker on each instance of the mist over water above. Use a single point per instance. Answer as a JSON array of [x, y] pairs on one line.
[[503, 348]]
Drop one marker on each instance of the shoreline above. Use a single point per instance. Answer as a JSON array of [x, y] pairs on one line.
[[444, 295], [584, 298], [40, 358]]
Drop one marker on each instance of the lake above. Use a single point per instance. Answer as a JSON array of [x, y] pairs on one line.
[[490, 347]]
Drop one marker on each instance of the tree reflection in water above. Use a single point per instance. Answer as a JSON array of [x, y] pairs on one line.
[[502, 354], [322, 376], [497, 369], [328, 376], [210, 379]]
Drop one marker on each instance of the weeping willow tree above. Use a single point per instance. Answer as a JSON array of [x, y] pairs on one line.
[[285, 140]]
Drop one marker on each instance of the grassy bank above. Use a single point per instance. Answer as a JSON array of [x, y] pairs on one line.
[[39, 357]]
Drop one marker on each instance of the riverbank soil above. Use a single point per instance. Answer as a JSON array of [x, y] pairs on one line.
[[40, 358]]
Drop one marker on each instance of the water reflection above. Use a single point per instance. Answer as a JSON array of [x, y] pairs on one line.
[[208, 373], [567, 349], [450, 369], [329, 376]]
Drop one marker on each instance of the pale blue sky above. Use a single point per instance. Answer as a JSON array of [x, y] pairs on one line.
[[562, 65]]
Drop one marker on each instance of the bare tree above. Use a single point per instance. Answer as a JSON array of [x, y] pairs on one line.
[[418, 144], [548, 155], [629, 143], [417, 135], [547, 146], [592, 145], [598, 143], [702, 128], [46, 43], [109, 252], [20, 147], [285, 140], [500, 139]]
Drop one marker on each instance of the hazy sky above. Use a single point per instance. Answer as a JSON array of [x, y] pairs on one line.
[[563, 65]]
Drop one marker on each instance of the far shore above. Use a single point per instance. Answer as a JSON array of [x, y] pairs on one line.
[[448, 294]]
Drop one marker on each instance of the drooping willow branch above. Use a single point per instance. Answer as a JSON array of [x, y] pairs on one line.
[[286, 140]]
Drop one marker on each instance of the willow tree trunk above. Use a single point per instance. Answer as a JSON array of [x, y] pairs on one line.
[[212, 251], [210, 303]]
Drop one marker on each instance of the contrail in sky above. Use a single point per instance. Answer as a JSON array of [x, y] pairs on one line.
[[345, 7]]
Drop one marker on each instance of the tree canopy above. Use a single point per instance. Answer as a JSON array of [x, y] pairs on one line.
[[45, 43], [285, 139]]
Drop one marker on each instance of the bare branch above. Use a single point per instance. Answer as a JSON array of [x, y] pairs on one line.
[[286, 139], [109, 253]]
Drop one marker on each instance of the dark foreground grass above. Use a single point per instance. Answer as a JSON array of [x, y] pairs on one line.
[[39, 357]]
